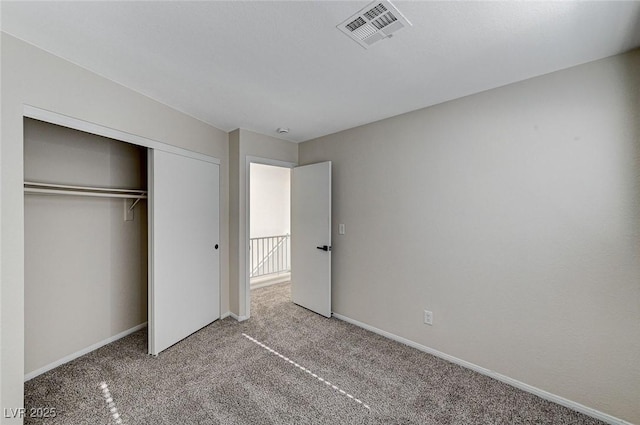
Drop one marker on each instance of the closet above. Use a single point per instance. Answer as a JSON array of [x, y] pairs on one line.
[[97, 213]]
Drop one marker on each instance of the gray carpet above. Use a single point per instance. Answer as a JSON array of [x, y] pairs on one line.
[[218, 376]]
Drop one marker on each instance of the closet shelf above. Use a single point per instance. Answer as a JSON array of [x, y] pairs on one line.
[[101, 192]]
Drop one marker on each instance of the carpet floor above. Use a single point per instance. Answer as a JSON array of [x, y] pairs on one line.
[[319, 371]]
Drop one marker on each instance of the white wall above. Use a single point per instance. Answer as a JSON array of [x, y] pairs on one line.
[[85, 267], [514, 215], [33, 77], [270, 200]]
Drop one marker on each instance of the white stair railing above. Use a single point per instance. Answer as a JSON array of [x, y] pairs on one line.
[[269, 255]]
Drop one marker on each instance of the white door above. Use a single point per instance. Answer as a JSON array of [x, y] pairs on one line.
[[311, 237], [184, 260]]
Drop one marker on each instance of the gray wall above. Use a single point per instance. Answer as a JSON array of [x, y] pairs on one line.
[[30, 76], [85, 267], [514, 215]]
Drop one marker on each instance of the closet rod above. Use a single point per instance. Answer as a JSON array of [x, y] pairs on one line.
[[101, 192], [29, 190], [87, 188]]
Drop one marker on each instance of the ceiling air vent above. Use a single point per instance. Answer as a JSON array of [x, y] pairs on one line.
[[375, 22]]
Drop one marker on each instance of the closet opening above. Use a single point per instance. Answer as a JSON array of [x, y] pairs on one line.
[[86, 243]]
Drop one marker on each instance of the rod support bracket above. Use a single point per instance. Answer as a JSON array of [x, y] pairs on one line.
[[134, 204]]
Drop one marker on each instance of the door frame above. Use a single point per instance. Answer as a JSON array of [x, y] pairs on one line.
[[246, 288], [122, 136], [99, 130]]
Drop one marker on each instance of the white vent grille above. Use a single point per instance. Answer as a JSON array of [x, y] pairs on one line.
[[375, 22], [375, 11]]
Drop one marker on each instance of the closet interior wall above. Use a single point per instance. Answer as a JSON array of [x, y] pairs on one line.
[[85, 266]]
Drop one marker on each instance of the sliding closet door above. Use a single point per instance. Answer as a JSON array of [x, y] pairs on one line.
[[184, 260]]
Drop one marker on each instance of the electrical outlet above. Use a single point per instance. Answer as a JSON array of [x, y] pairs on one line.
[[341, 229], [428, 317]]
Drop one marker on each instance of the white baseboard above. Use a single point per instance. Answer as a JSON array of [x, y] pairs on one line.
[[82, 352], [604, 417], [234, 316], [263, 281]]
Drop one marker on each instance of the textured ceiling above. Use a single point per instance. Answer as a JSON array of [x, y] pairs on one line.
[[261, 65]]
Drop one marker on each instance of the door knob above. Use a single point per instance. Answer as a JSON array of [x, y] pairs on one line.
[[324, 248]]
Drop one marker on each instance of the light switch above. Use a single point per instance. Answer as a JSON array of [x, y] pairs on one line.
[[341, 229]]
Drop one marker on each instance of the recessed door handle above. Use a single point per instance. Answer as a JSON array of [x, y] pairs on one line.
[[324, 248]]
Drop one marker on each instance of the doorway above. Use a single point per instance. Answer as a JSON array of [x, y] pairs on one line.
[[307, 249], [268, 224], [269, 255]]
